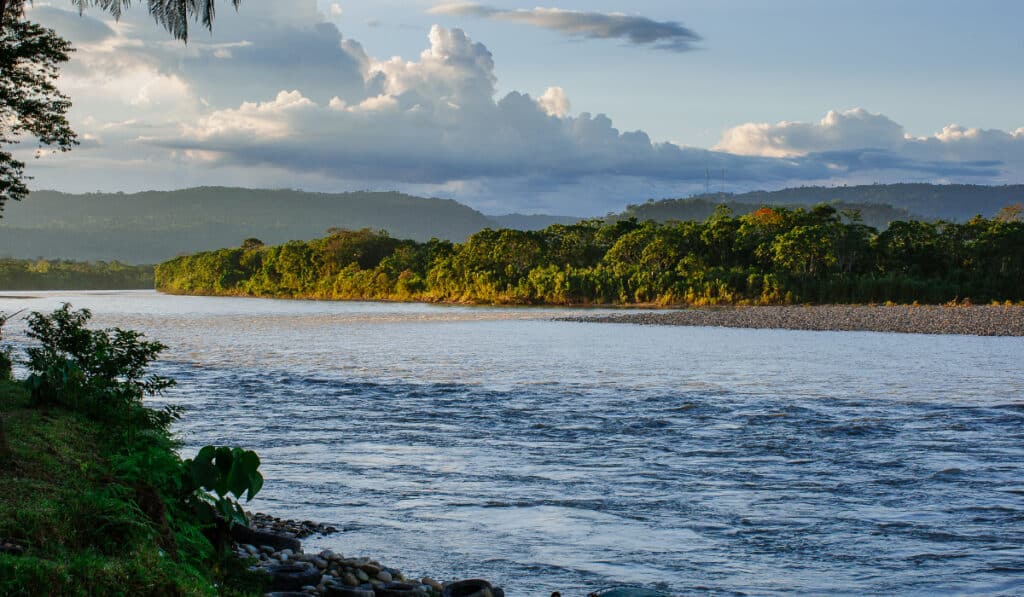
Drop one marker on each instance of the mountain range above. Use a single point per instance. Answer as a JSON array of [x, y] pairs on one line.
[[153, 226]]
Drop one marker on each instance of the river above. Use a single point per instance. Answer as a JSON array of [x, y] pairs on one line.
[[545, 455]]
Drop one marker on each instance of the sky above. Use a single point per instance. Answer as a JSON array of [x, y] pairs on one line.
[[567, 107]]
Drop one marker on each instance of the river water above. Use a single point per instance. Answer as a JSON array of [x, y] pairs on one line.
[[486, 442]]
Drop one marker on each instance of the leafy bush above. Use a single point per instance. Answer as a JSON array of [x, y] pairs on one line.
[[102, 373]]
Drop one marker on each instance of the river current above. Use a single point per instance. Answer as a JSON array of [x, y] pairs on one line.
[[547, 455]]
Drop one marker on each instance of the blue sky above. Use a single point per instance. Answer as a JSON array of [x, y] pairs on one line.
[[925, 64], [566, 107]]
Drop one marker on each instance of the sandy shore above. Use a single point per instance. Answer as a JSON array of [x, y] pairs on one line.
[[975, 320]]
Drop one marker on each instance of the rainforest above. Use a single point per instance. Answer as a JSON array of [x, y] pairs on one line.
[[770, 256]]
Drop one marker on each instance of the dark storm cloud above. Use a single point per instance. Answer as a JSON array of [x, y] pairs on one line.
[[637, 30]]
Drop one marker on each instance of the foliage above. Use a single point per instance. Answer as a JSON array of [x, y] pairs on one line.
[[113, 508], [30, 60], [172, 15], [41, 274], [30, 103], [877, 215], [769, 256], [102, 373], [225, 472]]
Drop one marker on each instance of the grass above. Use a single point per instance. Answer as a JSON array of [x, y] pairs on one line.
[[85, 530]]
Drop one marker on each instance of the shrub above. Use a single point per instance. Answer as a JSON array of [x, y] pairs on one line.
[[102, 373]]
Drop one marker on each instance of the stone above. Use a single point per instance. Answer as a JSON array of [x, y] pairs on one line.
[[267, 549], [252, 549], [362, 575], [283, 557], [385, 576], [329, 555], [319, 563], [370, 568], [350, 580], [433, 584]]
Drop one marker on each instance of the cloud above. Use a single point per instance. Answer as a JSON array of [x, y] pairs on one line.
[[279, 97], [436, 121], [861, 140], [637, 30], [837, 131], [555, 102]]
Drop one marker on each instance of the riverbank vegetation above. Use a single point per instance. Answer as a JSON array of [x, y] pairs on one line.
[[770, 256], [42, 274], [94, 499]]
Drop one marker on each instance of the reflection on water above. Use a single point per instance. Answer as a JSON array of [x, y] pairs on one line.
[[552, 455]]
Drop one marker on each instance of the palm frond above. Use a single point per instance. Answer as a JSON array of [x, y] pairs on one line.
[[173, 15]]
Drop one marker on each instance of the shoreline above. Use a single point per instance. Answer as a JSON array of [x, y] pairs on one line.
[[984, 320], [273, 546]]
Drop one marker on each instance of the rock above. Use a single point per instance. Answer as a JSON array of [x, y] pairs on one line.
[[251, 549], [370, 568], [267, 549], [293, 577], [244, 534], [340, 591], [329, 555], [385, 576], [362, 575], [433, 584], [319, 563], [350, 580], [470, 588], [396, 589]]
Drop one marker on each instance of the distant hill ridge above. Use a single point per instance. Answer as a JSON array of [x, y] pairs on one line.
[[957, 202], [153, 226]]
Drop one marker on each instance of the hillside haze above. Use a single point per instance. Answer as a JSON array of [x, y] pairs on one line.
[[954, 202], [154, 226]]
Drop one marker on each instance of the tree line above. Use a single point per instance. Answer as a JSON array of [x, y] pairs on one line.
[[769, 256], [42, 274]]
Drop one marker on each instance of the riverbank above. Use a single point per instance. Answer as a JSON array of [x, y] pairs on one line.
[[902, 319], [72, 524]]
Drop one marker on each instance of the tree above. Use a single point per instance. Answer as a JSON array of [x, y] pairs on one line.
[[30, 59], [172, 15], [30, 103]]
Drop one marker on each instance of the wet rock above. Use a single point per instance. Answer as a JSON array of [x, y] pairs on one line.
[[432, 583], [385, 576], [371, 569]]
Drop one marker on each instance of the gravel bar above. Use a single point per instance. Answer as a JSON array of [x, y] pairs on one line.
[[958, 320]]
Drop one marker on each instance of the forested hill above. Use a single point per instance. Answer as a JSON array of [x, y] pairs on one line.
[[955, 202], [702, 208], [153, 226]]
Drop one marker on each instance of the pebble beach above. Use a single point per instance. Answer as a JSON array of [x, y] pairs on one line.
[[988, 320]]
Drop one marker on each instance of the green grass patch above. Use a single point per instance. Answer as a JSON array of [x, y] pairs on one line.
[[86, 527]]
